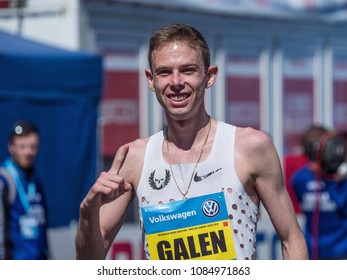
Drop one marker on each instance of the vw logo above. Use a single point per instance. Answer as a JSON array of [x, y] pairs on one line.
[[210, 208]]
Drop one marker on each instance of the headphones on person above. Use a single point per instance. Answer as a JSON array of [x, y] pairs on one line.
[[329, 151]]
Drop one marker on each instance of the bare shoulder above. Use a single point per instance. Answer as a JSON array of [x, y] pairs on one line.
[[134, 157], [256, 161], [137, 146], [134, 151], [254, 149], [251, 140]]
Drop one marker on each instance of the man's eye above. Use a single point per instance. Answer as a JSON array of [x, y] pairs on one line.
[[189, 70], [163, 73]]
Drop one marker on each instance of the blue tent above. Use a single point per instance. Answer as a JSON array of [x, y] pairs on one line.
[[58, 90]]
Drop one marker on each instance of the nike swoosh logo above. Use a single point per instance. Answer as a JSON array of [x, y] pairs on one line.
[[198, 178]]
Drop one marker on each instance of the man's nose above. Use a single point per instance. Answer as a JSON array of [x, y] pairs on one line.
[[177, 81]]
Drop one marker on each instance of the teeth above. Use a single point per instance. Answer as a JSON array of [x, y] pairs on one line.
[[179, 97]]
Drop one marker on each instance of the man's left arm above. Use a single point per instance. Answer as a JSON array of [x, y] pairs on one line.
[[269, 183]]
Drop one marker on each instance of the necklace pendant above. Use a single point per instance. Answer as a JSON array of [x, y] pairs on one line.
[[184, 197]]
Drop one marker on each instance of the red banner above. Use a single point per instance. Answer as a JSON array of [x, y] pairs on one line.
[[120, 104], [297, 100], [243, 91], [340, 95]]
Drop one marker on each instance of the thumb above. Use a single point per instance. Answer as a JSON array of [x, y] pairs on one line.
[[119, 159]]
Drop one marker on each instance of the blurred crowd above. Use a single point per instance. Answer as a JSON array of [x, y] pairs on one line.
[[316, 180]]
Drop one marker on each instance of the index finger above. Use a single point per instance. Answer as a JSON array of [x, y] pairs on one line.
[[119, 159]]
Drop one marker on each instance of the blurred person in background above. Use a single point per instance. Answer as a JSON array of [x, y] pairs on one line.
[[342, 170], [322, 193], [23, 221], [292, 163], [199, 182], [298, 159]]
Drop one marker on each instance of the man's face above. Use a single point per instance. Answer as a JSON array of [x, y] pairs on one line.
[[179, 79], [23, 149]]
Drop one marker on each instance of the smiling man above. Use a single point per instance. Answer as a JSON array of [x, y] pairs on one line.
[[197, 164]]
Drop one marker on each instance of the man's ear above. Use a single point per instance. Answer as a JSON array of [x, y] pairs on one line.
[[212, 73], [150, 80]]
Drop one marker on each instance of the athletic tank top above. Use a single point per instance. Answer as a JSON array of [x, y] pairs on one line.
[[216, 174]]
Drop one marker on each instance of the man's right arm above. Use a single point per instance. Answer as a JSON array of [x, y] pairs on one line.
[[89, 240], [102, 211]]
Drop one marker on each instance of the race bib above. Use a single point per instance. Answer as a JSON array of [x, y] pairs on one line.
[[196, 228]]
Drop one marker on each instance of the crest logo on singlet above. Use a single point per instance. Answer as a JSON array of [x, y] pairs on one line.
[[210, 208], [159, 182]]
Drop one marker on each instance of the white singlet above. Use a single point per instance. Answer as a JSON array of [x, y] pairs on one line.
[[213, 175]]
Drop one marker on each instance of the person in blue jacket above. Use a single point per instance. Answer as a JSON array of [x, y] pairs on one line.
[[23, 221], [322, 193]]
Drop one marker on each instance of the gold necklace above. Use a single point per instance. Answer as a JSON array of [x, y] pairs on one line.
[[184, 195]]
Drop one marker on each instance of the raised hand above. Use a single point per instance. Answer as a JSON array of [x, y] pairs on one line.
[[110, 185]]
